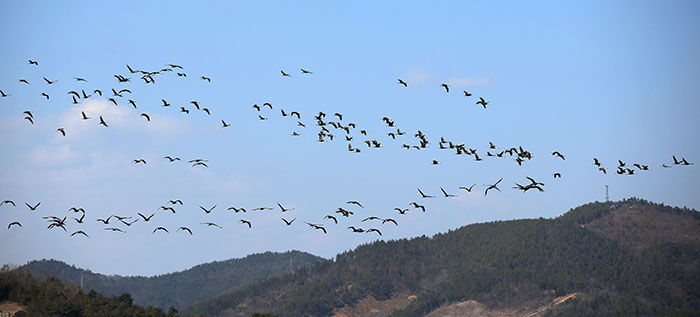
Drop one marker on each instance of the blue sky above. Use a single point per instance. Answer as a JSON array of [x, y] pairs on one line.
[[612, 80]]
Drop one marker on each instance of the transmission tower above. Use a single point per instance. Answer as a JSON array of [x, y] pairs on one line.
[[607, 198]]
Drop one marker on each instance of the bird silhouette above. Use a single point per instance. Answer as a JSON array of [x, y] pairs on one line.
[[401, 211], [304, 71], [50, 82], [35, 63], [3, 94], [403, 83], [447, 87], [79, 232], [146, 219], [105, 221], [374, 230], [482, 102], [385, 220], [115, 230], [45, 95], [417, 206], [211, 224], [358, 230], [160, 228], [289, 223], [424, 195], [33, 208], [315, 226], [208, 210], [137, 161], [284, 209], [466, 94], [331, 218], [184, 229], [446, 194], [354, 202], [166, 208], [468, 189], [494, 186], [62, 130], [557, 175], [8, 202], [171, 159], [102, 122], [145, 115], [247, 222], [556, 153], [225, 125], [14, 223], [285, 74], [205, 78]]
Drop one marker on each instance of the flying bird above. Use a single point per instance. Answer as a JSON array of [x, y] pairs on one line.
[[247, 222], [556, 153], [417, 206], [289, 223], [32, 208], [102, 122], [205, 78], [331, 218], [14, 223], [447, 87], [468, 189], [285, 74], [137, 161], [424, 195], [80, 232], [35, 63], [171, 159], [374, 230], [8, 202], [160, 228], [403, 83], [49, 81], [211, 224], [85, 117], [184, 229], [304, 71], [284, 209], [355, 203], [145, 115], [446, 194], [62, 130], [146, 219], [482, 102], [208, 210], [105, 221], [225, 125], [494, 186]]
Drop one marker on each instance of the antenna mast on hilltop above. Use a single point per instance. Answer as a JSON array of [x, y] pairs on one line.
[[607, 198]]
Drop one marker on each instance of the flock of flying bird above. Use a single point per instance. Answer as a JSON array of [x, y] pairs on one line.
[[329, 129]]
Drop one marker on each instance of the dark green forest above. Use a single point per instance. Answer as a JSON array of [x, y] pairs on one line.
[[500, 264], [182, 289], [48, 296]]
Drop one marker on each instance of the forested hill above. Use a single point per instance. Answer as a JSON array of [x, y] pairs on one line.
[[629, 257], [182, 289]]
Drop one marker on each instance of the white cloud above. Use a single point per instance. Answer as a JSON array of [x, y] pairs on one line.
[[51, 156]]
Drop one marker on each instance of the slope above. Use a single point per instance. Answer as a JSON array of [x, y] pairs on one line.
[[181, 289], [514, 266]]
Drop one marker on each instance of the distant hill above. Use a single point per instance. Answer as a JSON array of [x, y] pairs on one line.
[[24, 294], [630, 257], [182, 289]]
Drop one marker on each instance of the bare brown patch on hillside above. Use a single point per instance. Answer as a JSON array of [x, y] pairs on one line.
[[640, 226], [368, 306]]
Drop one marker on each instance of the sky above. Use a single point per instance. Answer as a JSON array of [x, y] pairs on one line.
[[614, 80]]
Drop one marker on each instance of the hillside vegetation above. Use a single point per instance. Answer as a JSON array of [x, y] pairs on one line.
[[182, 289], [611, 254]]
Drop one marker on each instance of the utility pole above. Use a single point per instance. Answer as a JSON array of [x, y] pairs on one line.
[[607, 198], [81, 281]]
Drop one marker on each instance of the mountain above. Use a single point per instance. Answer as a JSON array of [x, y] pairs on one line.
[[24, 294], [182, 289], [630, 257]]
